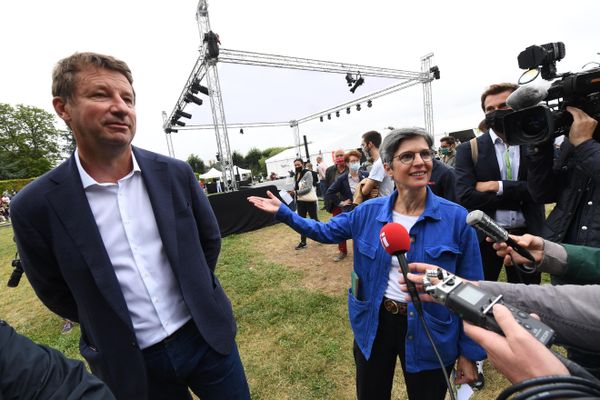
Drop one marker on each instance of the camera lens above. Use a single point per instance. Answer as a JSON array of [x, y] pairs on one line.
[[534, 125]]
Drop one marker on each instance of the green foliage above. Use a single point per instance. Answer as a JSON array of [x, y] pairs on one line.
[[252, 159], [197, 164], [30, 144], [239, 160], [271, 151], [14, 184]]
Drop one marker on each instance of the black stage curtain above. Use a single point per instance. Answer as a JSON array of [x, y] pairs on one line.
[[235, 214]]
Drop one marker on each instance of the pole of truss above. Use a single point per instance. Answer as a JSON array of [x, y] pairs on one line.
[[297, 144], [427, 96], [216, 100], [168, 136]]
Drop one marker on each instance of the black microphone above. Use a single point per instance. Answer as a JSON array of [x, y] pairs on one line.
[[396, 241], [485, 224], [526, 96]]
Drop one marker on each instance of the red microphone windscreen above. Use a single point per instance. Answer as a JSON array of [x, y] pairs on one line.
[[394, 238]]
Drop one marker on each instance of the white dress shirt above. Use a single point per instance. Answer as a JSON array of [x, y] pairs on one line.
[[127, 225], [507, 218]]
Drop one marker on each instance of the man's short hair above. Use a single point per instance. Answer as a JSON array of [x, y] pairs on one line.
[[351, 153], [496, 89], [451, 141], [373, 137], [65, 72]]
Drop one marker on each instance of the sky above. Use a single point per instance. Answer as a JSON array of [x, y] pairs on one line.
[[474, 44]]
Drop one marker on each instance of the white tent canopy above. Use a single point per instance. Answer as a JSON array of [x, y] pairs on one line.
[[212, 174], [283, 162]]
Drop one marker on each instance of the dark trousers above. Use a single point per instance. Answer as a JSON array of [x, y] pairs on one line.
[[374, 377], [309, 207], [184, 360], [492, 265]]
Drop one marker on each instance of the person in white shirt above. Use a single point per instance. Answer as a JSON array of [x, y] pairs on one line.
[[378, 181], [124, 242]]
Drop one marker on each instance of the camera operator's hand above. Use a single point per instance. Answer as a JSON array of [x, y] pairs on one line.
[[582, 128], [534, 244], [518, 355]]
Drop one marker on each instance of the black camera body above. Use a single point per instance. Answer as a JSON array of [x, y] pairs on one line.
[[542, 123], [15, 276]]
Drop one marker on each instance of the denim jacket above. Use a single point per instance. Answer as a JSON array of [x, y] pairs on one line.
[[439, 237]]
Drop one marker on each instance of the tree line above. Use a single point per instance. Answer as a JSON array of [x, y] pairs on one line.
[[31, 145], [254, 160]]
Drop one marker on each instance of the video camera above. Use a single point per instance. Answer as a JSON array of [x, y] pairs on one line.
[[532, 123]]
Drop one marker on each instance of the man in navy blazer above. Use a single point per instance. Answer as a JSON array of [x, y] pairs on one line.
[[125, 242], [495, 182]]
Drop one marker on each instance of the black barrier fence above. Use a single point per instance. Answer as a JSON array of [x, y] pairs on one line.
[[235, 214]]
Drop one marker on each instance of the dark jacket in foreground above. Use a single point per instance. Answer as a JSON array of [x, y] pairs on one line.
[[573, 182], [31, 371], [65, 260]]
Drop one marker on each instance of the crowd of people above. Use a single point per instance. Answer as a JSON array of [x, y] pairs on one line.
[[124, 242]]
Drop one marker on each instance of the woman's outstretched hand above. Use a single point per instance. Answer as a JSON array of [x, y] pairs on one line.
[[268, 204]]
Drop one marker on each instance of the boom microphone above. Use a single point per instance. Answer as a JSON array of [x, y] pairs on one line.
[[396, 241], [526, 96], [485, 224]]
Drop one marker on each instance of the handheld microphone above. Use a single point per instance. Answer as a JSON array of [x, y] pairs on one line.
[[396, 241], [485, 224], [526, 96]]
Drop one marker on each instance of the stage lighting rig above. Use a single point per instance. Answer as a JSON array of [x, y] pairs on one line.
[[190, 98], [350, 79], [359, 81], [328, 116], [170, 130], [358, 107], [348, 110], [177, 122], [337, 114], [321, 118], [369, 104], [183, 114], [197, 87], [435, 70], [241, 131]]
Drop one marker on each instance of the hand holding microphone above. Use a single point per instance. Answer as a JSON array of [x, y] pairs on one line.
[[496, 233]]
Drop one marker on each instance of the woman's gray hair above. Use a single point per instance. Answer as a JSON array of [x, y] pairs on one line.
[[393, 140]]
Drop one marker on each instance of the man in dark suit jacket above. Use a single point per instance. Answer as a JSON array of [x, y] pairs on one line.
[[124, 242], [495, 182]]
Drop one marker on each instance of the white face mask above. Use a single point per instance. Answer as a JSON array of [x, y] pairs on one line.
[[354, 166]]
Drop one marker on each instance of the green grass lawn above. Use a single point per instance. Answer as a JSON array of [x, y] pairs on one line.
[[295, 343]]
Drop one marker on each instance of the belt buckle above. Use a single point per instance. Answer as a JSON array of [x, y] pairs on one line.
[[394, 307]]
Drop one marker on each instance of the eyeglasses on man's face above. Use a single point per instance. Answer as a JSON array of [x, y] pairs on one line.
[[408, 157]]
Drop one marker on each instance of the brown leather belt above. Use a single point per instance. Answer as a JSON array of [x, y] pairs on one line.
[[394, 307]]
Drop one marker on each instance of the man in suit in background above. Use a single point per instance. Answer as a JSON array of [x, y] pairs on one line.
[[124, 242], [494, 180]]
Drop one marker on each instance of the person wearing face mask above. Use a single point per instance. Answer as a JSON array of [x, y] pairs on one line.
[[331, 174], [495, 182], [341, 192], [448, 150], [306, 195]]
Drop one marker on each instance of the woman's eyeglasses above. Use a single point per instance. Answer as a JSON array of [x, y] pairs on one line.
[[408, 157]]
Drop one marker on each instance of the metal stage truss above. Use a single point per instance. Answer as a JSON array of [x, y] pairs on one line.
[[205, 71]]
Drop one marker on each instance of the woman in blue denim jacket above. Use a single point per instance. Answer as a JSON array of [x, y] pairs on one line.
[[385, 326]]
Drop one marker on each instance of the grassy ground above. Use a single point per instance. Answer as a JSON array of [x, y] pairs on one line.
[[295, 341]]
